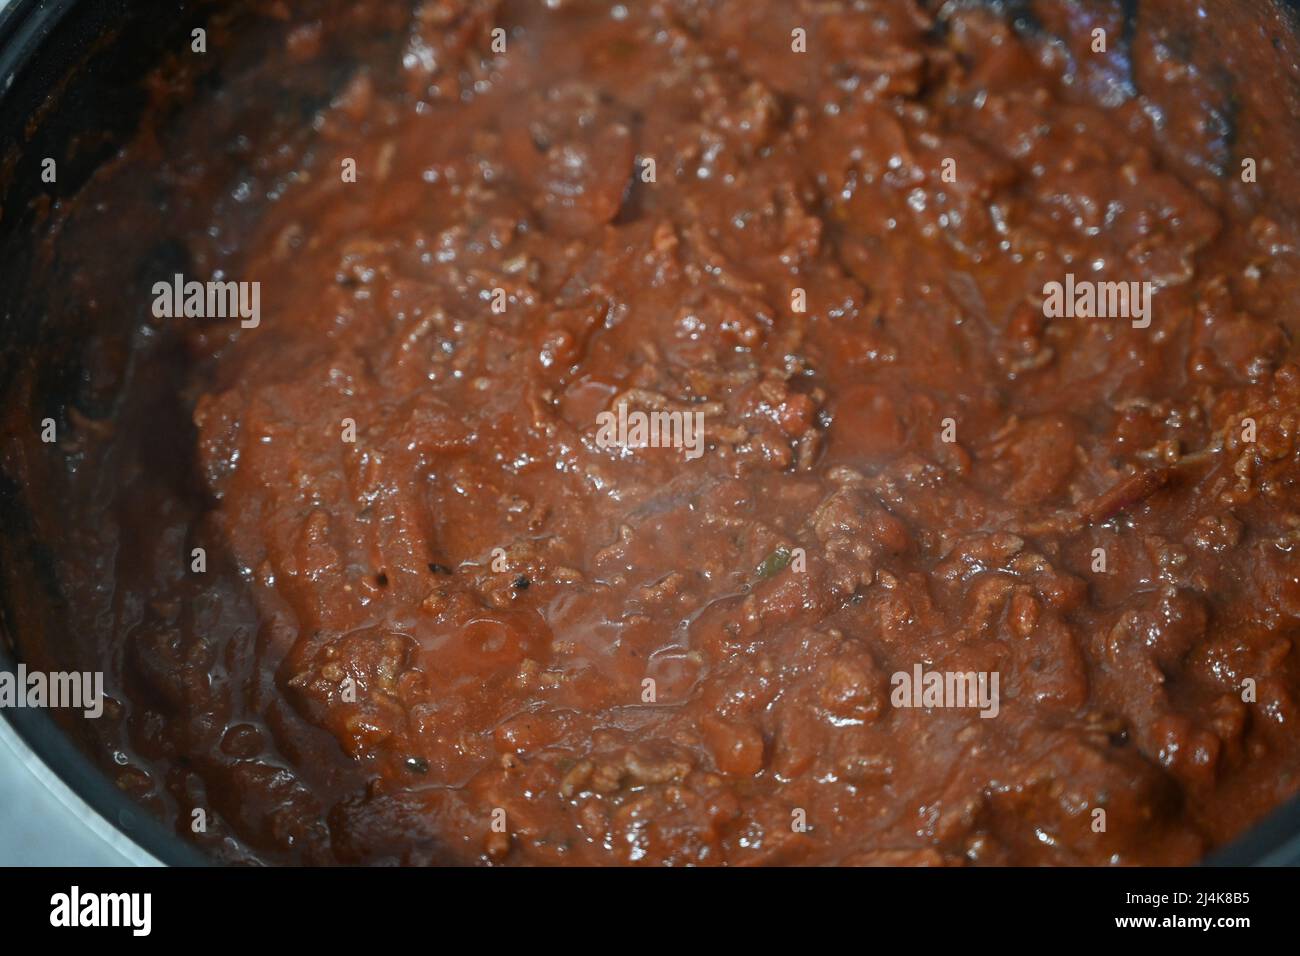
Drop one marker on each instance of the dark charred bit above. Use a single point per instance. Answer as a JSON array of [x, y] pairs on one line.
[[437, 568], [417, 764], [1128, 42], [1131, 14], [521, 583], [1022, 16]]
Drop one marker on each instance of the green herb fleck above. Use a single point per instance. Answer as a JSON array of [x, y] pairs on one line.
[[775, 563]]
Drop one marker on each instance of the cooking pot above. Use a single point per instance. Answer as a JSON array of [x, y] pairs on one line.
[[69, 89]]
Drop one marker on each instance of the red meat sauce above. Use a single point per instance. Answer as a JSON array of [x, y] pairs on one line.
[[475, 635]]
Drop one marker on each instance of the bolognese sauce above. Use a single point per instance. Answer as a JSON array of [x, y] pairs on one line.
[[654, 416]]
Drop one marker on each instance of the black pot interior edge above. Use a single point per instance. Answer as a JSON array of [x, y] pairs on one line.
[[41, 46]]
